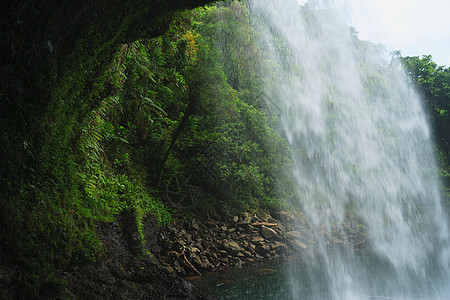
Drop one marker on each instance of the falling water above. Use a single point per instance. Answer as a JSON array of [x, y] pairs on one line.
[[361, 146]]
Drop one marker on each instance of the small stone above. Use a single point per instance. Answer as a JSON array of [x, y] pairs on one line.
[[245, 218], [195, 226], [280, 248], [224, 260], [293, 235], [193, 250], [197, 260], [231, 246], [268, 233], [187, 237], [257, 239], [181, 243], [199, 246], [299, 244], [263, 250], [284, 216]]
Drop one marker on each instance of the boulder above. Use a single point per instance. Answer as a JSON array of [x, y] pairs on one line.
[[268, 233], [263, 250], [224, 260], [298, 244], [257, 239], [251, 246], [245, 218], [231, 247], [280, 227], [195, 226], [293, 235], [196, 261], [180, 243], [199, 246], [280, 248]]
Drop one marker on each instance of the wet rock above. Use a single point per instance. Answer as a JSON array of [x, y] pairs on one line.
[[263, 250], [169, 268], [180, 243], [298, 244], [214, 245], [178, 268], [231, 230], [192, 250], [199, 246], [196, 260], [195, 226], [268, 233], [224, 260], [293, 235], [280, 248], [245, 218], [257, 239], [231, 247], [187, 237], [280, 227]]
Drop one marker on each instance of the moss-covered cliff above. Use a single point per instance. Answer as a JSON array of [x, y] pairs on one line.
[[55, 71]]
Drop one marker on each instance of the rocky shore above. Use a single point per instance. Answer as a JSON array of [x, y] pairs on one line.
[[193, 247], [154, 269]]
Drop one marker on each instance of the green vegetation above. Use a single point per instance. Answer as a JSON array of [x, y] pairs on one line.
[[433, 82], [169, 125], [173, 125]]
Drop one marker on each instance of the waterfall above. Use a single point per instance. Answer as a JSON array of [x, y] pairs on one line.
[[362, 147]]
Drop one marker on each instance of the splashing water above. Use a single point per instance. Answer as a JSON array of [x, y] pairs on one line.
[[361, 143]]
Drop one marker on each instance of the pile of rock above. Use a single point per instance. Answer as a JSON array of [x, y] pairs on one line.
[[192, 247]]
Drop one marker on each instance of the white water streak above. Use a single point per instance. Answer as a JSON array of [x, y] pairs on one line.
[[360, 138]]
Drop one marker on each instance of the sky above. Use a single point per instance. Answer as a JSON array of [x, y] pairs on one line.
[[415, 27]]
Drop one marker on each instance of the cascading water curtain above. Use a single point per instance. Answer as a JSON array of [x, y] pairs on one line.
[[361, 146]]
